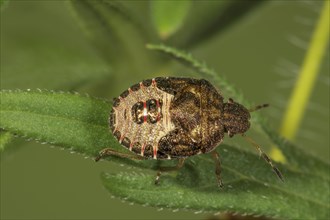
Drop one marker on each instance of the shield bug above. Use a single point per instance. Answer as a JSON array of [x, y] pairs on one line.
[[175, 118]]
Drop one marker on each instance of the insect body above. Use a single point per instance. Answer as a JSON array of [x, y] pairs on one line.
[[166, 118]]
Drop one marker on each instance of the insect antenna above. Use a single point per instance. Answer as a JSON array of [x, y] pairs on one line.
[[258, 107], [265, 156]]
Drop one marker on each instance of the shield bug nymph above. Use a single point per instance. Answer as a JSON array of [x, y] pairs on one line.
[[175, 118]]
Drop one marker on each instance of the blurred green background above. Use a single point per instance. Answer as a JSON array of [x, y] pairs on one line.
[[57, 45]]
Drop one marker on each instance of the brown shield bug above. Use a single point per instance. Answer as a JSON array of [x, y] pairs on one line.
[[175, 118]]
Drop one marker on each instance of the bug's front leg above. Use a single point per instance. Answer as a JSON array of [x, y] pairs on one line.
[[110, 152], [216, 158], [168, 169]]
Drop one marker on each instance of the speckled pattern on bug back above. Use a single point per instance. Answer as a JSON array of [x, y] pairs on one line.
[[170, 117]]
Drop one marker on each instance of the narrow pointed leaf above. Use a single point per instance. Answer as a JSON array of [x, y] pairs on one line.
[[250, 188], [71, 121], [81, 124]]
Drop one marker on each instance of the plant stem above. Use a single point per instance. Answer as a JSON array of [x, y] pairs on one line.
[[306, 79], [307, 76]]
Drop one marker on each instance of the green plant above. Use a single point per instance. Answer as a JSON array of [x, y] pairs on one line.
[[79, 123]]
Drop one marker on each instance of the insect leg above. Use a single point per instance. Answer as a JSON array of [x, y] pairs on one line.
[[168, 169], [265, 156], [216, 158], [110, 152]]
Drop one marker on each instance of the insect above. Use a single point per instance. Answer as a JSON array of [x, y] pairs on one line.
[[175, 118]]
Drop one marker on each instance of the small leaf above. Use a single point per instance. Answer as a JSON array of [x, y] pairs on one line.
[[168, 16], [250, 188]]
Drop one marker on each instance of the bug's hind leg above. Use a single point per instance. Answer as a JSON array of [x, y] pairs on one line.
[[110, 152], [168, 169], [216, 158]]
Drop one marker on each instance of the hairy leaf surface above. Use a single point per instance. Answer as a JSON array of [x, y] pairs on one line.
[[81, 124]]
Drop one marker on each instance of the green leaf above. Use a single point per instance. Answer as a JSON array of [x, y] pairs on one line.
[[67, 120], [80, 124], [250, 188], [168, 16]]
